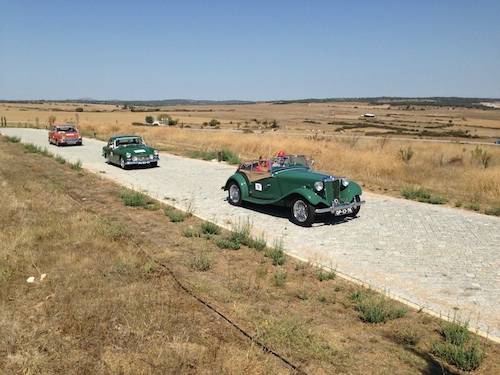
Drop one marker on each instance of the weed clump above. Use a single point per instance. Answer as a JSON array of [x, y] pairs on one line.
[[456, 347]]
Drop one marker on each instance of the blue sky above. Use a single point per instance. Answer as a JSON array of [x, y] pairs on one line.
[[248, 50]]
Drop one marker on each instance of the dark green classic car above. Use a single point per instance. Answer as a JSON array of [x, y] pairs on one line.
[[289, 181], [129, 150]]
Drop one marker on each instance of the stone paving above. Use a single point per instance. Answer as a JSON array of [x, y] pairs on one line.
[[443, 260]]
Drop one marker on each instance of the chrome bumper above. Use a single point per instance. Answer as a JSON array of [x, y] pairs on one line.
[[333, 208], [141, 162]]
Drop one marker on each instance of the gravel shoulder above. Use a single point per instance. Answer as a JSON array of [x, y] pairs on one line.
[[440, 259]]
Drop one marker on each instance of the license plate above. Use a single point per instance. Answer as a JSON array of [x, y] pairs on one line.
[[343, 211]]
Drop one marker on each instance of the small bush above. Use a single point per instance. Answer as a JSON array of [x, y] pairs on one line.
[[226, 243], [191, 232], [473, 207], [12, 139], [76, 166], [482, 157], [456, 348], [493, 211], [200, 262], [422, 195], [277, 254], [377, 309], [136, 199], [406, 155], [174, 215], [279, 278], [326, 275], [210, 228], [60, 159]]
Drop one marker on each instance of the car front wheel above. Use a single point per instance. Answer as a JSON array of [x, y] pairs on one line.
[[302, 212], [355, 210], [234, 194], [122, 163]]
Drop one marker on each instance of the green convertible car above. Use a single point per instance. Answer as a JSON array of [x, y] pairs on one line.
[[289, 181], [129, 150]]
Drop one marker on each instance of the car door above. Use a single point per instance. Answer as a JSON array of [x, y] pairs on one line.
[[263, 185], [113, 157]]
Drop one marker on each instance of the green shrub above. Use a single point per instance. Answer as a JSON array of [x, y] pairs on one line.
[[482, 157], [136, 199], [12, 139], [422, 195], [226, 243], [210, 228], [277, 254], [493, 211], [456, 347], [191, 232], [279, 278], [326, 275], [200, 262], [77, 165], [60, 159], [406, 155], [377, 309], [174, 215]]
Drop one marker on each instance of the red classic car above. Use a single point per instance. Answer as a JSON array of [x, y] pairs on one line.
[[65, 134]]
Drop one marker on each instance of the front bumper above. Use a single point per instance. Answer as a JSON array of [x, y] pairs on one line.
[[142, 161], [70, 141], [339, 208]]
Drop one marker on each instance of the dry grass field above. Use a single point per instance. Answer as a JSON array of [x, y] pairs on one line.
[[143, 289], [442, 155]]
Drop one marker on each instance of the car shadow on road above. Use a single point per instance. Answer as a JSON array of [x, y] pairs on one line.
[[284, 213], [133, 167]]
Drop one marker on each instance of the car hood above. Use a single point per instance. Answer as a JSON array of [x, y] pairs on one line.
[[300, 175], [137, 150]]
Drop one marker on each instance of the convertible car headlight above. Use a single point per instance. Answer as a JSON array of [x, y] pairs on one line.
[[318, 186], [128, 155], [155, 152], [344, 181], [134, 158]]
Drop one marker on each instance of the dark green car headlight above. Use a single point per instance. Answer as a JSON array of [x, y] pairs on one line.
[[344, 182], [319, 186], [128, 155]]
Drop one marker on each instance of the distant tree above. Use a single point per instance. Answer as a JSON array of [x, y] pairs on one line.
[[150, 119], [214, 122], [163, 117], [79, 109]]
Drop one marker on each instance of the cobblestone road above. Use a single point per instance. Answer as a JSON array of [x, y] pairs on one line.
[[443, 260]]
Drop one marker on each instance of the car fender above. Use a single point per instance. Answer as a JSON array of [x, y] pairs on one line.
[[350, 192], [241, 181], [308, 194]]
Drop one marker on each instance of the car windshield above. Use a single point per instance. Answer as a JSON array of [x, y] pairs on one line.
[[129, 142], [289, 161]]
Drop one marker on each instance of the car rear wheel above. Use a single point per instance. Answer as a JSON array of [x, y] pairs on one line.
[[355, 210], [234, 193], [302, 212]]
